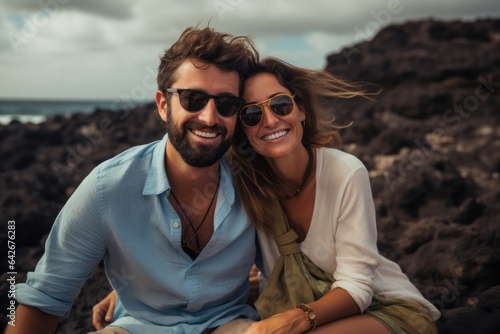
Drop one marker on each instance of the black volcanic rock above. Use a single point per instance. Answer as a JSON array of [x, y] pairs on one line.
[[432, 148]]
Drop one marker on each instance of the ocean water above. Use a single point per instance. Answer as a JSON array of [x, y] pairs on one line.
[[37, 111]]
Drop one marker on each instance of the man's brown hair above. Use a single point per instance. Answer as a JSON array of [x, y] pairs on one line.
[[227, 52]]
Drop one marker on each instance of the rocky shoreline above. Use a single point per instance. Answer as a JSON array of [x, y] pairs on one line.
[[430, 139]]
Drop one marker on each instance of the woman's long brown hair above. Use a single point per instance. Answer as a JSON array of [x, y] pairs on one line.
[[256, 185]]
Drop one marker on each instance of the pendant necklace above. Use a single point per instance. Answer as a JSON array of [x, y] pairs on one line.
[[307, 173], [187, 243]]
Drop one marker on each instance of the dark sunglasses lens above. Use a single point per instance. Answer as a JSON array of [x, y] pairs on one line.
[[281, 105], [228, 105], [192, 100], [251, 115]]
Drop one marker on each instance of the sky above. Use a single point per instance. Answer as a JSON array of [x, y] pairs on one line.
[[110, 49]]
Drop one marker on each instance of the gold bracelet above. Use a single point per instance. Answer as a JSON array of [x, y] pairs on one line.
[[310, 316]]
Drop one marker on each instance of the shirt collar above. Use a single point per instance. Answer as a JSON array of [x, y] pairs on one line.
[[157, 180], [226, 181]]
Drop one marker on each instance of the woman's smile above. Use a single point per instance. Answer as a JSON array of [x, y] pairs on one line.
[[275, 135]]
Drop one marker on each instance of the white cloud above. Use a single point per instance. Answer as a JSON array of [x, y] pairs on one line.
[[120, 10], [100, 49]]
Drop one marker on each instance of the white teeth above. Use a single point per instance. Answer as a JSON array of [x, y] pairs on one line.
[[275, 135], [205, 134]]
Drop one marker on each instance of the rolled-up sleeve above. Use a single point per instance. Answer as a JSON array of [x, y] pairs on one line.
[[73, 250], [356, 240]]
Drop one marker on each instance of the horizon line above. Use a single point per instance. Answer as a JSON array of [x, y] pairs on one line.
[[15, 99]]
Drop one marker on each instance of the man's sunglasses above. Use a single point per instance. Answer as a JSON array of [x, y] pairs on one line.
[[252, 114], [195, 100]]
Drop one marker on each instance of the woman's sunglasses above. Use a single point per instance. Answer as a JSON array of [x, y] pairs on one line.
[[252, 114], [195, 100]]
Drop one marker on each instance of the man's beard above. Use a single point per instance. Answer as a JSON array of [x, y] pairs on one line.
[[198, 155]]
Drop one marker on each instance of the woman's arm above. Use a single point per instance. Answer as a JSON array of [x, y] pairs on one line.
[[336, 304]]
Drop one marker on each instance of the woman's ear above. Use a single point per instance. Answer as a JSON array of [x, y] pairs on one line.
[[302, 116], [161, 105]]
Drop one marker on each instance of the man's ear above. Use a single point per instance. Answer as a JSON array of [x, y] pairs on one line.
[[161, 105]]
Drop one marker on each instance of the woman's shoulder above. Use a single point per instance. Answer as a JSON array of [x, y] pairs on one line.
[[332, 156]]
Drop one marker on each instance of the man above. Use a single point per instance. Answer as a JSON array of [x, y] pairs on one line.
[[176, 245]]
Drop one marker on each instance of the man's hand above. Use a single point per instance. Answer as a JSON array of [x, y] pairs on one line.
[[102, 313], [254, 285]]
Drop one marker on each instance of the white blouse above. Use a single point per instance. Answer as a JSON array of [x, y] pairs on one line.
[[342, 238]]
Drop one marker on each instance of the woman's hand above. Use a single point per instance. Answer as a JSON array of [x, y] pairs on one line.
[[102, 313], [289, 322]]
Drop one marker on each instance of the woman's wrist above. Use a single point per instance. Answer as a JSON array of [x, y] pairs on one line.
[[299, 321], [309, 314]]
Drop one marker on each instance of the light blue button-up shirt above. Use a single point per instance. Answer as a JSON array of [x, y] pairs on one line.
[[120, 213]]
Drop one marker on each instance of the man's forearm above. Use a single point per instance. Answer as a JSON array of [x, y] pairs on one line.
[[30, 320]]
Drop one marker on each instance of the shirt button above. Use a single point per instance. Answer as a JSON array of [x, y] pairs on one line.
[[176, 225]]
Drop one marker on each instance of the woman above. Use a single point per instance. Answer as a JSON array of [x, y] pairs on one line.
[[314, 211], [323, 214]]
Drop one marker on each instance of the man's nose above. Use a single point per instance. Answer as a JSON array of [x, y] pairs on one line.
[[208, 114]]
